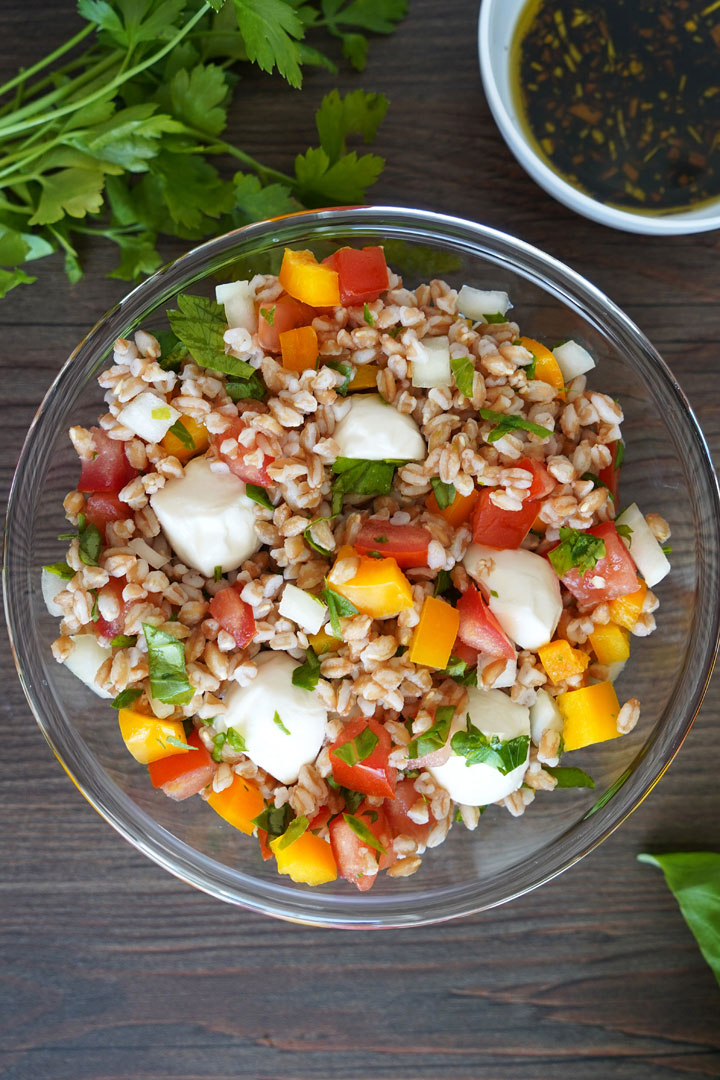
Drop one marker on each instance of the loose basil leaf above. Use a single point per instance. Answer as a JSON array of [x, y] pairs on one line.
[[342, 369], [338, 606], [166, 664], [293, 832], [306, 676], [268, 314], [569, 777], [60, 569], [95, 611], [274, 820], [241, 389], [444, 493], [235, 740], [436, 736], [461, 672], [625, 531], [597, 482], [178, 743], [172, 350], [507, 422], [307, 534], [126, 698], [124, 641], [478, 749], [693, 877], [358, 749], [361, 477], [444, 587], [495, 317], [364, 832], [89, 543], [181, 432], [201, 324], [259, 495], [576, 551], [666, 548], [619, 454], [464, 372], [368, 315], [219, 741], [277, 720]]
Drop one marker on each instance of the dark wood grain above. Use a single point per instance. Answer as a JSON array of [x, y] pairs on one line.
[[113, 970]]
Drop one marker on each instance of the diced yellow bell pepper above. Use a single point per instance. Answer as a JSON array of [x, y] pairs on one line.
[[303, 277], [378, 589], [365, 377], [547, 368], [238, 804], [435, 634], [323, 642], [626, 610], [299, 348], [590, 715], [561, 661], [197, 432], [146, 737], [610, 643], [308, 860], [459, 509]]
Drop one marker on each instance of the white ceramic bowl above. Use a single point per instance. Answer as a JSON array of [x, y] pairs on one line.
[[495, 31]]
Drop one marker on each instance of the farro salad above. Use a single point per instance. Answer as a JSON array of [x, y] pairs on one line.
[[347, 559]]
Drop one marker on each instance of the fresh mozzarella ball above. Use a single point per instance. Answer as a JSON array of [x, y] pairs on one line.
[[544, 716], [51, 585], [374, 431], [524, 592], [252, 709], [86, 659], [303, 608], [149, 416], [238, 299], [646, 553], [207, 518], [493, 713]]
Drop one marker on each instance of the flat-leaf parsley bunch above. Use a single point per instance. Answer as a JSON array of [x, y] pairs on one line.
[[116, 141]]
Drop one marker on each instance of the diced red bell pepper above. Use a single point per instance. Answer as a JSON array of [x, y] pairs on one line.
[[616, 570], [109, 469], [362, 274], [245, 470], [186, 773], [285, 313], [407, 544], [479, 628], [373, 775], [234, 615]]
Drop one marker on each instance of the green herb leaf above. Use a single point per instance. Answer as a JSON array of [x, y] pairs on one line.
[[270, 30], [597, 483], [461, 672], [444, 587], [307, 675], [89, 543], [477, 749], [219, 741], [693, 877], [495, 317], [235, 740], [198, 97], [60, 569], [124, 641], [436, 736], [346, 371], [268, 314], [576, 551], [259, 495], [361, 477], [293, 832], [368, 316], [338, 607], [181, 432], [217, 573], [367, 836], [10, 279], [666, 549], [166, 664], [307, 534], [625, 531], [507, 422], [242, 389], [358, 749], [464, 372], [444, 493], [173, 352], [179, 743], [201, 324], [277, 720], [619, 454], [126, 698], [568, 777], [274, 820]]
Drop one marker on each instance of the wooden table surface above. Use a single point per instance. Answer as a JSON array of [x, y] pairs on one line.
[[112, 969]]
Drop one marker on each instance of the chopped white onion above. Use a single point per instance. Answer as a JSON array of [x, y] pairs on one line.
[[544, 716], [86, 659], [431, 367], [149, 416], [238, 299], [644, 549], [478, 303], [302, 608], [573, 360], [51, 585]]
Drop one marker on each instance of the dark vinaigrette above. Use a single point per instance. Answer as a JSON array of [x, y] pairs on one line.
[[623, 97]]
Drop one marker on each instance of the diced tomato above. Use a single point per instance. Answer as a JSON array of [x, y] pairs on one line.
[[373, 776], [362, 274], [321, 818], [479, 628], [616, 569], [234, 615], [396, 811], [186, 773], [465, 652], [250, 473], [351, 853], [109, 470], [109, 630], [265, 849], [542, 482], [103, 507], [287, 314], [407, 544], [610, 476], [502, 528]]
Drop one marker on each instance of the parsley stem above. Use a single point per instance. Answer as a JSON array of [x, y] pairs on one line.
[[23, 119], [220, 146], [82, 61], [14, 208], [27, 73]]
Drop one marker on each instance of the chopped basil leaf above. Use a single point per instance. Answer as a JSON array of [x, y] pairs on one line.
[[126, 698], [172, 350], [506, 422], [166, 664], [625, 531], [274, 820], [368, 315], [235, 740], [307, 534], [241, 389], [60, 569], [531, 368], [293, 832], [182, 434], [178, 742], [353, 799], [461, 672], [444, 493], [201, 324], [361, 477], [436, 736], [464, 372], [576, 551], [306, 676], [597, 483], [357, 749], [619, 454], [217, 573], [569, 777], [342, 369], [478, 749], [444, 587], [268, 315], [259, 495], [95, 610], [666, 549], [277, 720], [394, 331], [124, 641], [90, 542], [360, 829], [494, 592], [495, 317], [218, 743], [338, 606]]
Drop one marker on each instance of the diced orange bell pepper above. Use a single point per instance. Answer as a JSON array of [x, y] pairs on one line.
[[547, 368], [378, 589], [365, 377], [590, 715], [197, 432], [308, 860], [303, 277], [435, 634], [299, 348], [626, 610], [610, 643], [323, 642], [238, 804], [459, 509], [561, 661], [146, 737]]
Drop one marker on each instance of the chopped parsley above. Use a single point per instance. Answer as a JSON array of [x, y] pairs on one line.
[[368, 315], [268, 314], [366, 834], [576, 551], [464, 372], [666, 549], [126, 698], [360, 477], [507, 422], [172, 350], [338, 607], [182, 434], [342, 369], [259, 495], [277, 720], [89, 541], [179, 743], [166, 665], [436, 736], [478, 749], [358, 749]]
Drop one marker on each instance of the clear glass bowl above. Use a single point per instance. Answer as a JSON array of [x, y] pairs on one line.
[[667, 470]]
